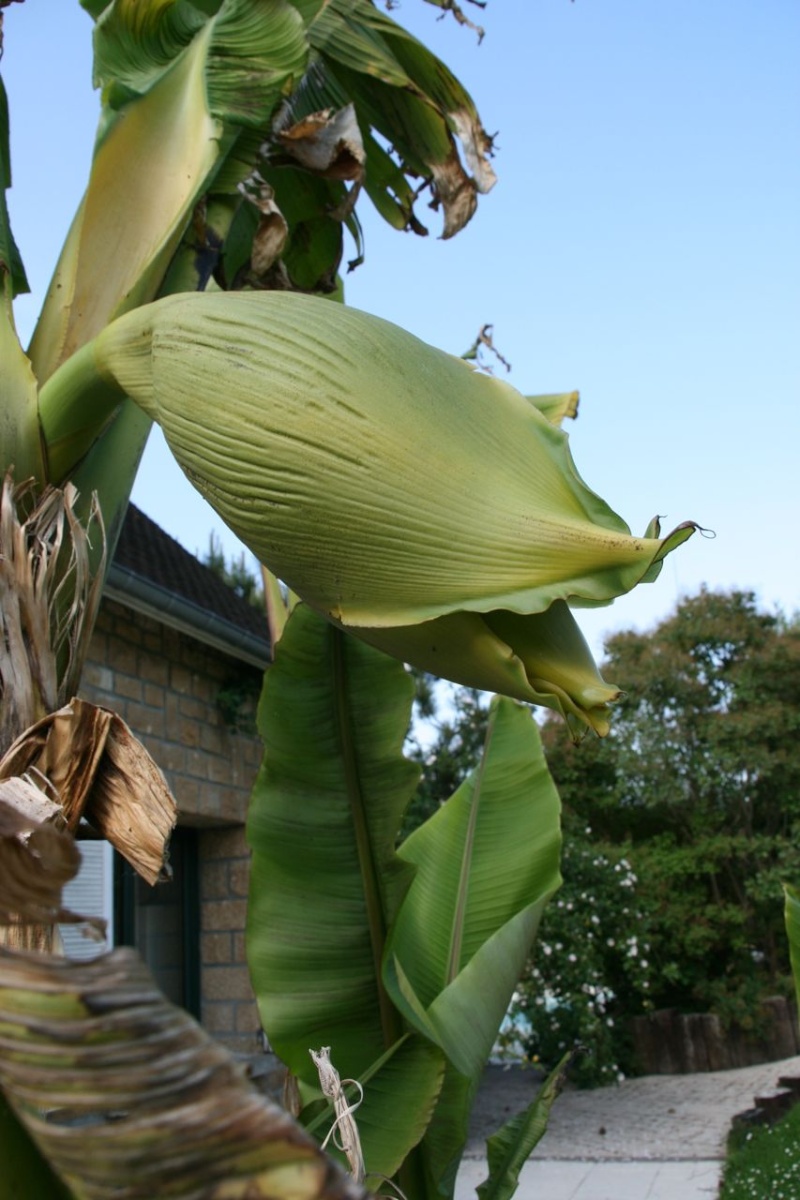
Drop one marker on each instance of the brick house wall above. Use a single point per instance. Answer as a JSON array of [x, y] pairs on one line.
[[165, 684]]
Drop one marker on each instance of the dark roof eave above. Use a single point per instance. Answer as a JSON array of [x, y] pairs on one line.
[[136, 592]]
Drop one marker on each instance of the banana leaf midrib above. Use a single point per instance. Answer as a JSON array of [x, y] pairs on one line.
[[462, 897], [391, 1024]]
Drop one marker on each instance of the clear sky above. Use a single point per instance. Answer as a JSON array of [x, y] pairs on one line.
[[642, 245]]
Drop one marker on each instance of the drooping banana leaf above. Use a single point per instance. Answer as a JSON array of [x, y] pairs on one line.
[[127, 1096], [406, 94], [198, 98], [510, 1147], [486, 864], [326, 882]]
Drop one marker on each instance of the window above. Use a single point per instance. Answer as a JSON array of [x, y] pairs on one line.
[[161, 922]]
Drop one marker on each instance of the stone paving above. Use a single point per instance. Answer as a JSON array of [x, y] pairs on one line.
[[547, 1179], [656, 1117], [661, 1137]]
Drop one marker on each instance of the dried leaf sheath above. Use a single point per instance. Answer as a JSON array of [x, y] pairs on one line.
[[85, 1043]]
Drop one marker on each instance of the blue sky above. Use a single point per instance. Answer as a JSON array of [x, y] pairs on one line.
[[642, 245]]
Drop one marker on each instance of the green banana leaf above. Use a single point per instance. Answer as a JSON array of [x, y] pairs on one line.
[[399, 1094], [10, 261], [330, 897], [326, 882], [509, 1148], [792, 916], [487, 862]]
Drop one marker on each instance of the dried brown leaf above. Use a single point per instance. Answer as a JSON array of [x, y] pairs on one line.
[[457, 193], [65, 748], [48, 600], [37, 857], [131, 805], [327, 142], [129, 1098], [97, 770]]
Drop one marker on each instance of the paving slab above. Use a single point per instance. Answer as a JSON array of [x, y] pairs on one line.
[[659, 1137], [545, 1179]]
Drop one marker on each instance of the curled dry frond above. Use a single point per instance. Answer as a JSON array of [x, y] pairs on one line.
[[37, 857], [98, 771], [48, 601], [128, 1097]]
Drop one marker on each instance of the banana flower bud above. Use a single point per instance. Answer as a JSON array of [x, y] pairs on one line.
[[403, 494]]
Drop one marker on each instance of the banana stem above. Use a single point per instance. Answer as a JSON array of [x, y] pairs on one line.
[[75, 406]]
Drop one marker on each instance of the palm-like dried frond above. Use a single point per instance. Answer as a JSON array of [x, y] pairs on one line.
[[48, 601]]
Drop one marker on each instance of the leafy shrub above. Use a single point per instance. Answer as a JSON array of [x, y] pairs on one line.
[[591, 967]]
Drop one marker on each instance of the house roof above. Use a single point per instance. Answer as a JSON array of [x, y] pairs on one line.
[[152, 573]]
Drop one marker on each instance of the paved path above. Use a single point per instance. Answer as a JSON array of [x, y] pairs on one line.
[[661, 1137]]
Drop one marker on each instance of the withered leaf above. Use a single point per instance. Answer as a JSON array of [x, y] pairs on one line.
[[327, 142], [97, 770], [37, 857], [129, 1098]]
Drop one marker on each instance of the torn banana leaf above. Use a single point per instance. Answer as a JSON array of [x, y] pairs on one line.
[[127, 1097], [510, 1148]]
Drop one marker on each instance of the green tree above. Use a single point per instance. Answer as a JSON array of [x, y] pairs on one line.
[[236, 572], [699, 782]]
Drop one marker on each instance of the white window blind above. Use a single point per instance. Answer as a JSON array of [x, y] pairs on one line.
[[91, 893]]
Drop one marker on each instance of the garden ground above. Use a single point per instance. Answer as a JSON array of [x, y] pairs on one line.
[[659, 1137]]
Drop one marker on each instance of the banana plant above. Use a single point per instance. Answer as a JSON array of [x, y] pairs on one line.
[[402, 961], [417, 506]]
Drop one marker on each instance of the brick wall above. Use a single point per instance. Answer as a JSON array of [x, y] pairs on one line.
[[228, 1009], [165, 685]]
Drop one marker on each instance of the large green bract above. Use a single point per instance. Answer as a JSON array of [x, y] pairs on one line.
[[430, 508]]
